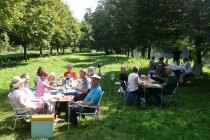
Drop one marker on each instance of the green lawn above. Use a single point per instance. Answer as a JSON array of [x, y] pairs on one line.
[[190, 120]]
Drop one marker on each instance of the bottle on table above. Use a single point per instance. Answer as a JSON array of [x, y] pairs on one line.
[[149, 76]]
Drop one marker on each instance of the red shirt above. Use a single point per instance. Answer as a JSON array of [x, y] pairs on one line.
[[73, 74]]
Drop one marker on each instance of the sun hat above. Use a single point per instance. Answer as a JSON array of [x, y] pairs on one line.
[[96, 77], [17, 81]]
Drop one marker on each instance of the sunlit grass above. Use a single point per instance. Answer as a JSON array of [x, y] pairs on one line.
[[116, 121]]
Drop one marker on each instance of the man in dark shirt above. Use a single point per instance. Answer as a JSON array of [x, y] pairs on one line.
[[160, 76], [176, 55], [123, 77], [168, 86]]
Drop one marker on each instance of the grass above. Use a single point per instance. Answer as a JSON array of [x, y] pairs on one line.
[[190, 120]]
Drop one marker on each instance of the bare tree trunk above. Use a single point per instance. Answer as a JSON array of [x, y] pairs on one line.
[[149, 52]]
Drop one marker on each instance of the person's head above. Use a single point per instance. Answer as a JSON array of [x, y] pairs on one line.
[[83, 73], [91, 71], [169, 69], [153, 57], [44, 75], [39, 71], [161, 58], [135, 69], [160, 66], [123, 69], [17, 83], [185, 59], [51, 77], [69, 67], [26, 77], [95, 80]]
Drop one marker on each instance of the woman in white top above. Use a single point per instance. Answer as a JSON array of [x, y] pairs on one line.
[[21, 100], [133, 83], [187, 69]]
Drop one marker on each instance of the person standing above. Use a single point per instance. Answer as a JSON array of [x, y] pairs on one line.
[[176, 55]]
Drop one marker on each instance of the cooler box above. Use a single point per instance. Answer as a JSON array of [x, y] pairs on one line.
[[42, 126]]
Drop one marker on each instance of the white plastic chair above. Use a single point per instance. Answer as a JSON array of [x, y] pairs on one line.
[[173, 96], [17, 117]]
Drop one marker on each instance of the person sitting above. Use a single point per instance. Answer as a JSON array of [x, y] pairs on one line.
[[26, 88], [43, 88], [168, 86], [91, 71], [50, 78], [133, 83], [91, 99], [38, 74], [69, 73], [21, 100], [160, 76], [161, 60], [123, 77], [152, 64], [187, 69], [84, 87]]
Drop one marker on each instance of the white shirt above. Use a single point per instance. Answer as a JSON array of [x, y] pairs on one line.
[[131, 81], [14, 95], [187, 67]]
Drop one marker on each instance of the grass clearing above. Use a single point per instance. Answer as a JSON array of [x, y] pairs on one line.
[[190, 120]]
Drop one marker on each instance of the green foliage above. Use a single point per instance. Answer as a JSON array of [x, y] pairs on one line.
[[190, 120]]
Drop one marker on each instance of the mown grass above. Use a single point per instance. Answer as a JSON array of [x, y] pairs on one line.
[[190, 120]]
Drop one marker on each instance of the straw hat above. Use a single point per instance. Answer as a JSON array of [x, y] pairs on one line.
[[17, 81]]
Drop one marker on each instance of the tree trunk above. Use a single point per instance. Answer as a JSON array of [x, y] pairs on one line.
[[149, 52], [25, 51], [198, 41], [40, 50], [132, 52], [51, 50], [198, 54]]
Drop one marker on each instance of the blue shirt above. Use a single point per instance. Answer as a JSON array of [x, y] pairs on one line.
[[94, 95]]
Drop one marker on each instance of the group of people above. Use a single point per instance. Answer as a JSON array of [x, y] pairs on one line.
[[88, 92], [158, 69], [135, 86]]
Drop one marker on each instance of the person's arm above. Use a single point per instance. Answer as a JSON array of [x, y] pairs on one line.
[[86, 103], [21, 103], [137, 82], [158, 77], [164, 84], [49, 87]]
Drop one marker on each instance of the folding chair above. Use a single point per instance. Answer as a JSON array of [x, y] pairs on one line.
[[95, 114], [17, 117], [173, 96], [127, 95], [112, 82]]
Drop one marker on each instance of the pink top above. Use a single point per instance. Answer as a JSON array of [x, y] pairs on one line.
[[40, 89]]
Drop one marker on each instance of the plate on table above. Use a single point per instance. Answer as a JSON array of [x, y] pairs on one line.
[[53, 92], [156, 85]]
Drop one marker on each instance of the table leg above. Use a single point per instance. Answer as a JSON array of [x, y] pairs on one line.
[[68, 114]]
